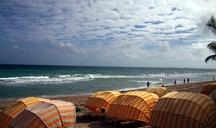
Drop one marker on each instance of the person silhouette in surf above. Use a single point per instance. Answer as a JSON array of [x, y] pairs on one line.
[[147, 84], [162, 85]]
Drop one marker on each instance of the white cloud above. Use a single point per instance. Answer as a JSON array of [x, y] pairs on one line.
[[123, 32]]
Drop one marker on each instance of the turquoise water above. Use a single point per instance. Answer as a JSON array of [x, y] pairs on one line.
[[27, 80]]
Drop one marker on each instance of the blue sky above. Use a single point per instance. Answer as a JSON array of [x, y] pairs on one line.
[[143, 33]]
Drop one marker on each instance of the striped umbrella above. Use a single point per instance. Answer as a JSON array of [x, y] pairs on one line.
[[184, 110], [134, 105], [160, 91], [7, 115], [50, 114], [101, 100], [207, 89], [213, 95]]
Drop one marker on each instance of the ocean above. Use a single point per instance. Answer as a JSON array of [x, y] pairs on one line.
[[30, 80]]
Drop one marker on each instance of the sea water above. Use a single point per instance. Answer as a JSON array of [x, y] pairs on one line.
[[30, 80]]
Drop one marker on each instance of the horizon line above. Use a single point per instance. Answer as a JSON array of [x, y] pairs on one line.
[[59, 65]]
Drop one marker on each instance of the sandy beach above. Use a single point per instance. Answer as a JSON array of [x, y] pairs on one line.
[[86, 121]]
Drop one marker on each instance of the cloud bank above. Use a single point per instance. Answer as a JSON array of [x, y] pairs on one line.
[[170, 33]]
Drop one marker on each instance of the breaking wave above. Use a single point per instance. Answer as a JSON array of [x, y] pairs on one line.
[[67, 78]]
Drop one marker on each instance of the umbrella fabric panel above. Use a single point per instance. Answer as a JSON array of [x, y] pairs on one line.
[[95, 104], [135, 105], [207, 89], [5, 120], [149, 99], [21, 104], [213, 95], [128, 113], [27, 119], [184, 109], [67, 112], [41, 115], [12, 111], [50, 114], [107, 94], [164, 120], [31, 100], [101, 99], [177, 109], [160, 91], [201, 100]]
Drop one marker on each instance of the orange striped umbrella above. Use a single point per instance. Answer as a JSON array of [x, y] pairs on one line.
[[160, 91], [134, 105], [7, 115], [49, 114], [207, 89], [213, 95], [101, 100], [184, 110]]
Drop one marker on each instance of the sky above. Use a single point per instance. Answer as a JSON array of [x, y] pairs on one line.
[[132, 33]]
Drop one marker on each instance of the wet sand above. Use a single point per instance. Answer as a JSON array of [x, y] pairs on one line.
[[86, 121]]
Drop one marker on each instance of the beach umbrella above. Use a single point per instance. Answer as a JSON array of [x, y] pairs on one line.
[[133, 106], [160, 91], [213, 95], [101, 100], [184, 110], [50, 114], [207, 89], [12, 111]]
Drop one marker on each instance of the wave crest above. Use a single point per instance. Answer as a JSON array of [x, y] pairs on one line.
[[67, 78]]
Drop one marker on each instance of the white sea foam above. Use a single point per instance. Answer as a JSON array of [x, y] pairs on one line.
[[100, 76], [64, 76], [131, 89], [139, 81], [67, 78], [42, 79]]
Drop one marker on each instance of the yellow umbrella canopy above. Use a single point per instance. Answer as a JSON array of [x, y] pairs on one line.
[[101, 100], [134, 105], [207, 89], [7, 115], [184, 110], [51, 114], [160, 91]]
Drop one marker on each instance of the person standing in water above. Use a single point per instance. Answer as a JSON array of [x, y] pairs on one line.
[[162, 85], [175, 82], [188, 80], [184, 81], [147, 84]]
